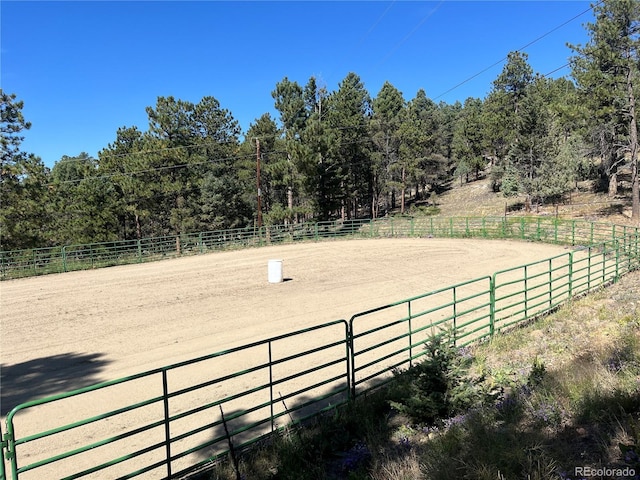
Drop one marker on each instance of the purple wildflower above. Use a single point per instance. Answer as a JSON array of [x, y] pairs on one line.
[[457, 420], [355, 457], [506, 404]]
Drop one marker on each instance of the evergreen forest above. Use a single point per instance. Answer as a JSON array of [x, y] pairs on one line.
[[338, 154]]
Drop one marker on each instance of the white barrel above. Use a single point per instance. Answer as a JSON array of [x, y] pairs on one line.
[[275, 271]]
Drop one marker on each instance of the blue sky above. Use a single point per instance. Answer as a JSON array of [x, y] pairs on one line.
[[86, 68]]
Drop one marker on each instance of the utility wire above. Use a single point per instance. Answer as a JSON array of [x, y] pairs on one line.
[[518, 50], [406, 37], [200, 145]]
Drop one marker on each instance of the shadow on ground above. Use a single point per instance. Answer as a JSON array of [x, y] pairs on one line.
[[42, 377]]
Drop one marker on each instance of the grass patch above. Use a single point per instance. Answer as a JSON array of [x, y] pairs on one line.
[[540, 402]]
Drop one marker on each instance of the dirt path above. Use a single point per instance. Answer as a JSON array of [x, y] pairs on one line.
[[61, 332]]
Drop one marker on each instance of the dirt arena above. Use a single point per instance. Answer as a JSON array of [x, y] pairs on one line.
[[61, 332]]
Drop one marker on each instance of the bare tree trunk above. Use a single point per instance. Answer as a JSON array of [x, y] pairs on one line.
[[635, 192], [612, 191], [404, 190], [374, 212], [290, 187], [633, 132], [343, 203], [138, 229], [290, 198]]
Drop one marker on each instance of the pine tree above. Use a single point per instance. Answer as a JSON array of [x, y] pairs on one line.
[[85, 202], [24, 218], [349, 117], [606, 70], [386, 139], [468, 140]]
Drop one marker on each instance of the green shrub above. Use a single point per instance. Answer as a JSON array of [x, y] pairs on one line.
[[440, 385]]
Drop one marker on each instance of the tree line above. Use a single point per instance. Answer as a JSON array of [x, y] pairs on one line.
[[335, 154]]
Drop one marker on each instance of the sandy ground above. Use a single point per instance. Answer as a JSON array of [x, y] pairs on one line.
[[66, 331]]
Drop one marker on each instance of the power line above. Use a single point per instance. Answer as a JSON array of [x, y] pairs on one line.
[[406, 37], [149, 170], [426, 17], [207, 144], [518, 50], [157, 150], [371, 29], [555, 70]]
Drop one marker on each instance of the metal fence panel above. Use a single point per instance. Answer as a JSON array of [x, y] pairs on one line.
[[156, 425], [3, 449], [22, 263], [392, 337], [529, 290]]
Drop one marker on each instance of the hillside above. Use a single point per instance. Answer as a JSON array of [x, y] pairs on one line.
[[476, 198]]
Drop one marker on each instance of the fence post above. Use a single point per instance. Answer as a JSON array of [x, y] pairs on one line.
[[617, 245], [492, 304], [139, 251], [526, 294], [589, 269], [64, 258], [550, 283], [570, 275], [410, 334], [3, 445], [273, 424], [455, 315], [167, 429], [352, 361], [9, 448]]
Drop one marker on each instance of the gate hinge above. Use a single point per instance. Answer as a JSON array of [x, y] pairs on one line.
[[4, 444]]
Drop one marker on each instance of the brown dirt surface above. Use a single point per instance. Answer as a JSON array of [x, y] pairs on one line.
[[476, 198], [65, 331]]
